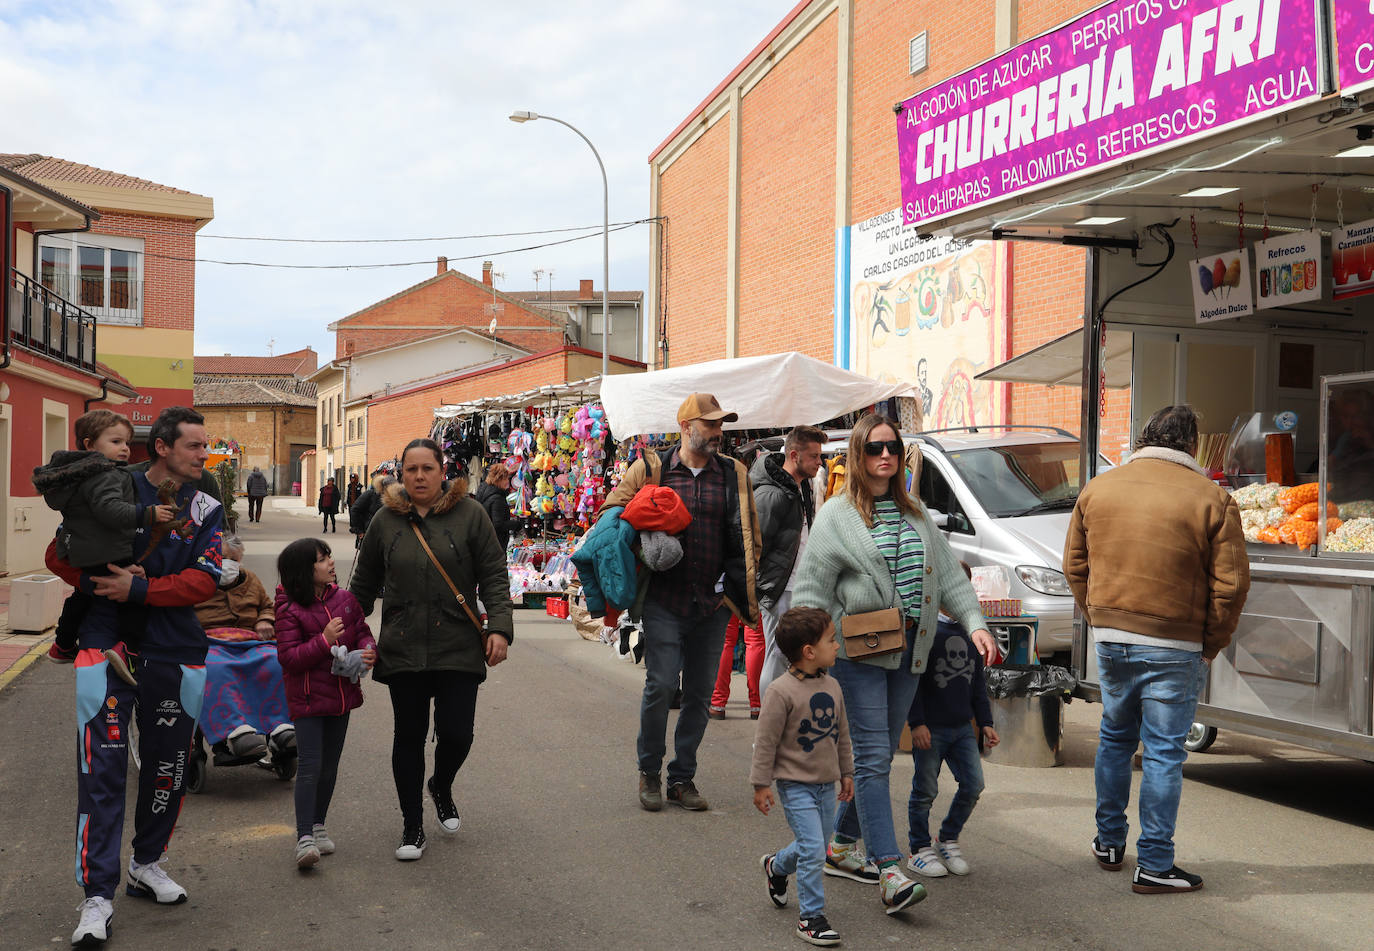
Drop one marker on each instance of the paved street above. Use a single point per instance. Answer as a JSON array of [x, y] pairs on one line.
[[555, 853]]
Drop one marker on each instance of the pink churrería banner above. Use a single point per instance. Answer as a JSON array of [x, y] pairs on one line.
[[1354, 22], [1130, 78]]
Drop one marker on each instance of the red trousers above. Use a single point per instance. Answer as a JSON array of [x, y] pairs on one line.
[[753, 663]]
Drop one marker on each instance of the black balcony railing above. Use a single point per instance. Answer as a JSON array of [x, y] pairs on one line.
[[45, 323]]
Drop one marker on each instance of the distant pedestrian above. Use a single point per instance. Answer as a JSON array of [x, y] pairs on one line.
[[324, 646], [360, 512], [1156, 559], [329, 505], [687, 606], [802, 744], [257, 491], [352, 490], [492, 494]]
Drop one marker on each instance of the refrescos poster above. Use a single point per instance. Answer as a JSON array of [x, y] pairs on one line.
[[930, 313]]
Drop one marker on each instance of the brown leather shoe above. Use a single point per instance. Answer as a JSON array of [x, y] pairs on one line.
[[716, 713], [686, 796], [650, 792]]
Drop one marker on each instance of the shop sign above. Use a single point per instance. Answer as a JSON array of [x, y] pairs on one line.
[[1130, 78], [1354, 20], [1288, 269], [1221, 286], [1352, 260]]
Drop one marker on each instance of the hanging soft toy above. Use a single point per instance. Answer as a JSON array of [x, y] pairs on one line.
[[582, 425], [550, 425], [543, 497], [598, 417]]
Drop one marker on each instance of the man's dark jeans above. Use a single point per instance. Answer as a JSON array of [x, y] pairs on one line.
[[677, 646]]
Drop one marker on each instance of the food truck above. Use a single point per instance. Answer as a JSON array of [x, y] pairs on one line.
[[1214, 159]]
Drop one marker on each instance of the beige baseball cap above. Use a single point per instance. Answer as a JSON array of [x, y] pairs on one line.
[[704, 406]]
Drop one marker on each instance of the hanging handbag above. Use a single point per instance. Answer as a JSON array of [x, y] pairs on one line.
[[873, 633], [472, 616]]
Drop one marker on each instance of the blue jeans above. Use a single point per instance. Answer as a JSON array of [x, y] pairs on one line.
[[810, 811], [1149, 696], [876, 702], [957, 746], [675, 646]]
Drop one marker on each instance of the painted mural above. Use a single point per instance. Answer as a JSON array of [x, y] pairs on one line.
[[930, 313]]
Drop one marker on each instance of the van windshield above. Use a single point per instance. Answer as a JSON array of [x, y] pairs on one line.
[[1021, 480]]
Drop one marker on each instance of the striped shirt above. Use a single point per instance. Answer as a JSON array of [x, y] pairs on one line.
[[900, 544]]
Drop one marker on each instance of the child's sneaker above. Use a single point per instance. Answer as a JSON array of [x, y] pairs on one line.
[[777, 884], [817, 931], [953, 858], [926, 862], [897, 891], [322, 840], [119, 663], [307, 852], [59, 655], [845, 860]]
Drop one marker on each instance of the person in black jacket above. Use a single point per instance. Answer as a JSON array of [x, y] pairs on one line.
[[492, 494], [361, 512], [782, 496], [329, 504]]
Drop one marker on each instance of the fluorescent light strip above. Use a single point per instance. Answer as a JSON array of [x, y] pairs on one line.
[[1359, 151], [1091, 222], [1209, 191], [1177, 170]]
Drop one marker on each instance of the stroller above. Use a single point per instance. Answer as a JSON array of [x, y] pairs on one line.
[[244, 719]]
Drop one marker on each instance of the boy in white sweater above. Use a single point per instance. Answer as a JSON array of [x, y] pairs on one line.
[[802, 743]]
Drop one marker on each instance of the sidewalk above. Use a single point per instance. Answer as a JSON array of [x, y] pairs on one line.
[[17, 651]]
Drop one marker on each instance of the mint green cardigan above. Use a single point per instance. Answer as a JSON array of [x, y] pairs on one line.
[[842, 572]]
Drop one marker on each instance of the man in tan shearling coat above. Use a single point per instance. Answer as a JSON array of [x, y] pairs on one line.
[[1156, 559]]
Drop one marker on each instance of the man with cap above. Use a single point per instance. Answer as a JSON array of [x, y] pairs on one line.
[[688, 606]]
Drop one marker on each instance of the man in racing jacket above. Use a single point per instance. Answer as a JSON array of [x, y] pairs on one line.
[[181, 569]]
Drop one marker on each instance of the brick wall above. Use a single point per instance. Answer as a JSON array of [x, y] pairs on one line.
[[256, 436], [447, 302], [169, 271], [787, 202], [695, 197]]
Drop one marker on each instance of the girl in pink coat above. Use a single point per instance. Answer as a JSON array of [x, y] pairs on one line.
[[315, 617]]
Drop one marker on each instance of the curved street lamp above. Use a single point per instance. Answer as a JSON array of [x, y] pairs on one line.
[[605, 230]]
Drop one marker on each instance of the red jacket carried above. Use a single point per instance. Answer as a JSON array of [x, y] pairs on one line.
[[311, 689], [657, 508]]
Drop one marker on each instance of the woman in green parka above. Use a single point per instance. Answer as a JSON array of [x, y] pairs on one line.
[[428, 648]]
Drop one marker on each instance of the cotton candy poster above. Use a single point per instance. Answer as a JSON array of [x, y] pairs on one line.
[[1221, 286]]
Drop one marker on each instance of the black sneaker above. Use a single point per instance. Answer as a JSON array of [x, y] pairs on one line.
[[1164, 883], [777, 884], [686, 796], [412, 844], [449, 820], [818, 931], [1108, 856]]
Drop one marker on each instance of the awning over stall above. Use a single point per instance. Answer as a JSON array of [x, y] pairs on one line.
[[768, 392], [1060, 362]]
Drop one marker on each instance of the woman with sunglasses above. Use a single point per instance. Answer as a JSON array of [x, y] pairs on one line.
[[874, 548]]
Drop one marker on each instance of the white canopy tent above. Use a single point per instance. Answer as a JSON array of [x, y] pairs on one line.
[[775, 391]]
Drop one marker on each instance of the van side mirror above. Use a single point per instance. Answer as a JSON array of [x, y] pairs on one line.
[[940, 519]]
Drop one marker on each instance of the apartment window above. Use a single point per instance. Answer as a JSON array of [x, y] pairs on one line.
[[100, 273], [350, 430], [338, 409]]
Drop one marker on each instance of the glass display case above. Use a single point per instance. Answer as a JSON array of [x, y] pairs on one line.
[[1346, 482]]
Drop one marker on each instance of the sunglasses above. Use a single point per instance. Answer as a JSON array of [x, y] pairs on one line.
[[893, 446]]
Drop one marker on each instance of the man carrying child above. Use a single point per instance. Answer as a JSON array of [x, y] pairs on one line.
[[802, 744]]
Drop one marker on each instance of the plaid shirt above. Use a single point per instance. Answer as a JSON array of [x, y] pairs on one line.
[[688, 589]]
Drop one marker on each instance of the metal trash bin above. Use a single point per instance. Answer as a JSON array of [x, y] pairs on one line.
[[1028, 712]]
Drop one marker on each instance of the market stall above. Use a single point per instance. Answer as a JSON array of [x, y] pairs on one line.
[[1213, 160]]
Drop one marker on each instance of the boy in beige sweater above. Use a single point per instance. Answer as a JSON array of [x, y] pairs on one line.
[[802, 743]]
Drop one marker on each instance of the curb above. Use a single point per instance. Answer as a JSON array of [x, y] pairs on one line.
[[22, 664]]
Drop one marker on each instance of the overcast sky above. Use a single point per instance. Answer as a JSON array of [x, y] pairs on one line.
[[343, 119]]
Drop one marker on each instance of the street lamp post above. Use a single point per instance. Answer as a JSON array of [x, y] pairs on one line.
[[605, 231]]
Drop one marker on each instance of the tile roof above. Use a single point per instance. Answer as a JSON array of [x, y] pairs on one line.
[[300, 362], [48, 168], [254, 393], [548, 299], [451, 274]]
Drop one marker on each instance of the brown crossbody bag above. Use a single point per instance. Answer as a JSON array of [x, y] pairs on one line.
[[873, 633], [472, 615]]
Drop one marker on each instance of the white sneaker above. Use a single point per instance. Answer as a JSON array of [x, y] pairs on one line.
[[954, 859], [926, 862], [307, 852], [897, 891], [322, 840], [150, 881], [94, 929]]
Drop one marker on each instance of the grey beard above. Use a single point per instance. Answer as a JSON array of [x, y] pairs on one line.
[[701, 444]]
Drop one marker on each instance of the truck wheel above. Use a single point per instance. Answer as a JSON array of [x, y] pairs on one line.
[[1199, 738]]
